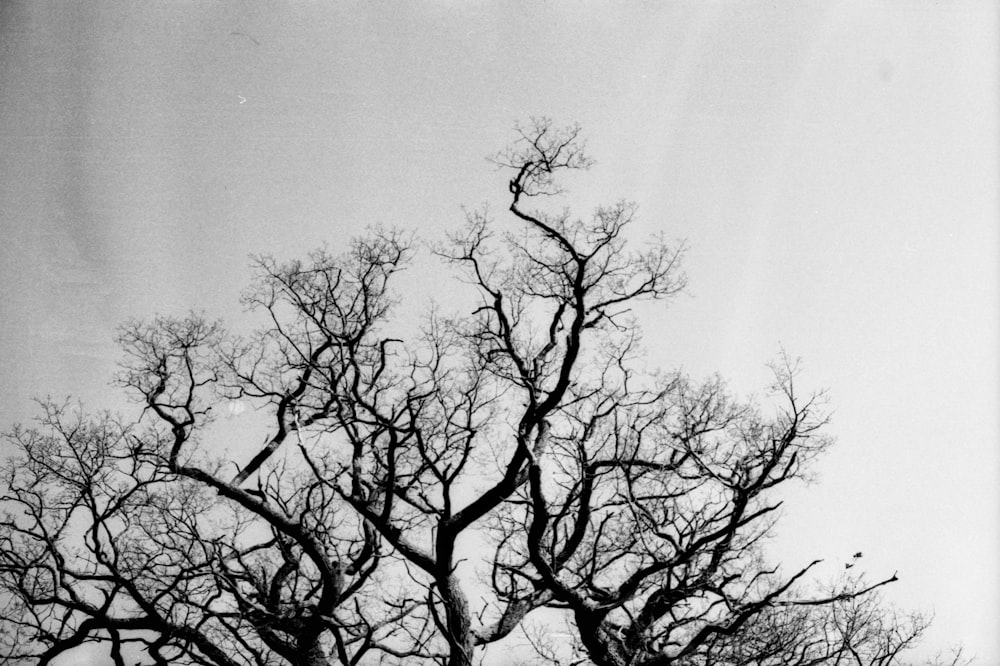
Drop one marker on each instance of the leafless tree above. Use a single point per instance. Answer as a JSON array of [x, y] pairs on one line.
[[525, 442]]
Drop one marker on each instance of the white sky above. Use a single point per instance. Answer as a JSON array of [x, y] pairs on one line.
[[832, 165]]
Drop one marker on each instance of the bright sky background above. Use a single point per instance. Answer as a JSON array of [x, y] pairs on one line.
[[832, 165]]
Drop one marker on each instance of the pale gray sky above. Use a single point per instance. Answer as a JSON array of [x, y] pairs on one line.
[[833, 166]]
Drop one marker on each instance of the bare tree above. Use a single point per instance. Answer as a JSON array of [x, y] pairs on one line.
[[525, 442]]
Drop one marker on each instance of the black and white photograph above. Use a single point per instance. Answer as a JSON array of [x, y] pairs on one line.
[[500, 333]]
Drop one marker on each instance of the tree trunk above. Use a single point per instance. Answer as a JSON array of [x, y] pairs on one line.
[[458, 621]]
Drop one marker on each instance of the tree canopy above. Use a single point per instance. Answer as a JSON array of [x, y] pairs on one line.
[[415, 497]]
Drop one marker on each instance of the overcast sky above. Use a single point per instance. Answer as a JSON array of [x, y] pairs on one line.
[[833, 167]]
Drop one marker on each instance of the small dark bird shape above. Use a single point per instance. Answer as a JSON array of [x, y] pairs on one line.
[[857, 554]]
